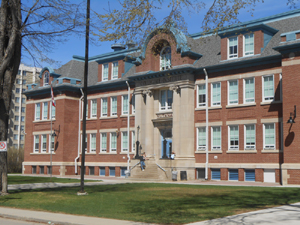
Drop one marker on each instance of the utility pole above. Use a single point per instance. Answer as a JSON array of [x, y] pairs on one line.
[[82, 171]]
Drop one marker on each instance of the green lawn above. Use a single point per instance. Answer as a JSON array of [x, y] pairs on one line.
[[28, 180], [156, 203]]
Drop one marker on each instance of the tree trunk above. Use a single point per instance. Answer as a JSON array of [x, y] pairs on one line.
[[10, 56]]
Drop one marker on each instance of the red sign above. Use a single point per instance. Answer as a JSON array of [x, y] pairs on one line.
[[3, 147]]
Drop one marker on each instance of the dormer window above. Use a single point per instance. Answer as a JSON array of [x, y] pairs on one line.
[[249, 44], [46, 78], [115, 70], [105, 72], [233, 47], [165, 58]]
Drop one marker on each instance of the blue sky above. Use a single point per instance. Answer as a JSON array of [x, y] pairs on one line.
[[75, 46]]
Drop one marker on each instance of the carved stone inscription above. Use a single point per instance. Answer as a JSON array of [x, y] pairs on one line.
[[162, 80], [165, 115]]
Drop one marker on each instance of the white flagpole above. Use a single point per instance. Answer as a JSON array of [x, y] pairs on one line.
[[51, 135]]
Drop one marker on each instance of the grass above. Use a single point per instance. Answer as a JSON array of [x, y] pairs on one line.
[[153, 203], [29, 180]]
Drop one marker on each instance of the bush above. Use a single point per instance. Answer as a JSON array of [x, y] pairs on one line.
[[15, 158]]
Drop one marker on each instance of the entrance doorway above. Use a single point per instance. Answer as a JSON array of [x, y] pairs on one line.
[[166, 143]]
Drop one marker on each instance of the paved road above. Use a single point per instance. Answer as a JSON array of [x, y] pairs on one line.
[[5, 221]]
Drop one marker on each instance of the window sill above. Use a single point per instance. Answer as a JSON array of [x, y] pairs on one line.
[[241, 105], [90, 153], [164, 111], [125, 153], [210, 152], [241, 151], [108, 117], [94, 118], [270, 102], [37, 121], [42, 153], [107, 153], [271, 151], [209, 108], [125, 116]]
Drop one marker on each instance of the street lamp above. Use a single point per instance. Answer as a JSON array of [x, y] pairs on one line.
[[292, 120], [137, 144]]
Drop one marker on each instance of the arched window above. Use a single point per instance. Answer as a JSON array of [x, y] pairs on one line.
[[165, 58], [46, 78]]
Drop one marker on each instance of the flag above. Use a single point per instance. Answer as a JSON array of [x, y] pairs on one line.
[[52, 96]]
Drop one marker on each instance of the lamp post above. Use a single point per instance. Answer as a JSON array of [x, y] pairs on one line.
[[292, 120], [137, 144]]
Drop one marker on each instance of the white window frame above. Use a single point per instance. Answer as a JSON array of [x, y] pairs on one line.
[[113, 113], [202, 104], [101, 142], [44, 144], [249, 53], [264, 137], [217, 103], [234, 55], [249, 146], [37, 117], [104, 114], [133, 103], [132, 141], [233, 146], [198, 131], [104, 72], [233, 101], [267, 98], [46, 76], [115, 68], [167, 106], [93, 149], [124, 103], [247, 101], [165, 59], [93, 107], [36, 138], [50, 143], [111, 135], [45, 111], [17, 99], [213, 147], [124, 139]]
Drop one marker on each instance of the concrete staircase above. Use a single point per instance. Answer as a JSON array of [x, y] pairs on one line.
[[151, 172]]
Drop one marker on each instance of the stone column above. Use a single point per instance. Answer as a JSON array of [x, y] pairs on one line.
[[139, 109], [148, 124], [176, 119]]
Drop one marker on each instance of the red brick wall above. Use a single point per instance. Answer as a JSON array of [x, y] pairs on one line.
[[294, 176]]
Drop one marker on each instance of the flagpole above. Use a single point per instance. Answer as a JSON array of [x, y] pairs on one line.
[[51, 135]]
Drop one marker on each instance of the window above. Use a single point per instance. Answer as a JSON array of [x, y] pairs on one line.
[[15, 146], [17, 99], [23, 100], [249, 92], [87, 110], [250, 136], [215, 174], [216, 94], [113, 106], [93, 143], [85, 144], [24, 82], [123, 169], [103, 142], [233, 92], [249, 175], [49, 169], [216, 138], [33, 169], [52, 111], [22, 137], [201, 138], [249, 44], [36, 143], [201, 95], [16, 127], [37, 111], [22, 118], [124, 141], [41, 169], [18, 81], [105, 72], [112, 171], [17, 90], [15, 137], [44, 143], [91, 170], [104, 107], [133, 104], [94, 108], [17, 118], [101, 171], [45, 110], [24, 73], [269, 136], [17, 108], [233, 174], [165, 58], [46, 78], [113, 142], [233, 47], [115, 70], [268, 88], [166, 99], [23, 109], [233, 137], [19, 72], [125, 105], [51, 138], [22, 127], [133, 141]]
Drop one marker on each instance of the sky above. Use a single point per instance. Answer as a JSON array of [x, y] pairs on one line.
[[76, 46]]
